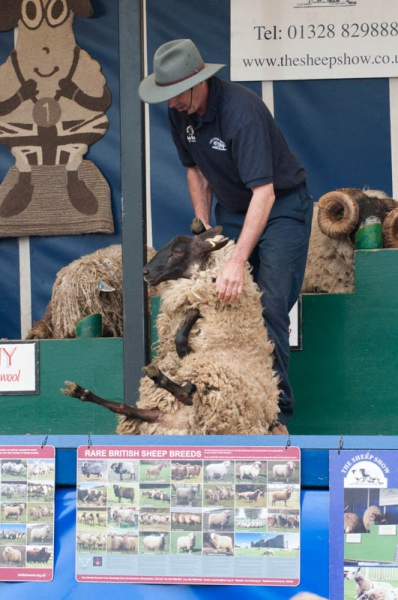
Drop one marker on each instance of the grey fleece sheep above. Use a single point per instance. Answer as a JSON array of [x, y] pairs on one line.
[[221, 543], [12, 555], [219, 520], [154, 543], [186, 543]]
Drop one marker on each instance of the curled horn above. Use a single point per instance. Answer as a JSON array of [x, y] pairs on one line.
[[390, 229], [338, 212]]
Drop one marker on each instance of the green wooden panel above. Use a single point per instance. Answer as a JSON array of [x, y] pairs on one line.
[[346, 377], [95, 363], [372, 547]]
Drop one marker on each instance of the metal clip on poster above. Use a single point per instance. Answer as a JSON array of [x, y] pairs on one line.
[[340, 444], [44, 442], [89, 442], [287, 441]]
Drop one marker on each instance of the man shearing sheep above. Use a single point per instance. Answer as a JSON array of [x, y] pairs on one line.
[[233, 149]]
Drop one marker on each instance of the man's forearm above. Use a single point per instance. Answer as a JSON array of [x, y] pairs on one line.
[[230, 278], [255, 221], [201, 194]]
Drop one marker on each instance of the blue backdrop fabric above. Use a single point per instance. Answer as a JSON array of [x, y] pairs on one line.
[[340, 130], [314, 564]]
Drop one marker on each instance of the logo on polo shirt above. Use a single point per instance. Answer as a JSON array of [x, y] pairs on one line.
[[190, 134], [218, 144]]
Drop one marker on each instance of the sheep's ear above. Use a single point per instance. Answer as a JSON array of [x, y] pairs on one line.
[[210, 233], [210, 240]]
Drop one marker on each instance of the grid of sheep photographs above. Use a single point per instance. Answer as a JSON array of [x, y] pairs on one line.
[[230, 508], [27, 513]]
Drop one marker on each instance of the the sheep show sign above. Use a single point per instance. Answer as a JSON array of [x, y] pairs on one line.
[[363, 496], [188, 515], [313, 39]]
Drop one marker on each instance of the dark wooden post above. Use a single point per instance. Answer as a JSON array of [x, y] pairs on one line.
[[132, 136]]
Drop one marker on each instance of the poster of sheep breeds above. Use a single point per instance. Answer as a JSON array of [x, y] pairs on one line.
[[188, 515], [27, 486], [363, 524]]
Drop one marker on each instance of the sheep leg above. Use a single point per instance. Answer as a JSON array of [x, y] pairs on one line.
[[182, 393], [132, 412], [182, 337]]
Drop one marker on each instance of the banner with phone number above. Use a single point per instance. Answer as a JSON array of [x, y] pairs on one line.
[[313, 39]]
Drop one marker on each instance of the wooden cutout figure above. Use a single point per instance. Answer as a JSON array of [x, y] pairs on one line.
[[53, 98]]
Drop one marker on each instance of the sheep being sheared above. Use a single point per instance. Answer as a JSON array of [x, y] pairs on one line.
[[213, 370], [337, 219]]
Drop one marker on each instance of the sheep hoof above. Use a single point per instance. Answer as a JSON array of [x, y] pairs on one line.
[[151, 371], [70, 389], [74, 390]]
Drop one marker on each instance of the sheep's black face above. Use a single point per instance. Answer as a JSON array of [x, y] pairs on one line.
[[180, 257], [173, 261]]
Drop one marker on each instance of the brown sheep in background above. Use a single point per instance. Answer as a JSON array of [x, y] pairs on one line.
[[373, 514], [352, 523]]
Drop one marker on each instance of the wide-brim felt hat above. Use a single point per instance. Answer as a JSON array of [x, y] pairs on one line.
[[177, 67]]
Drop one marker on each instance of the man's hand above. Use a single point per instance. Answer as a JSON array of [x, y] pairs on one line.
[[229, 282]]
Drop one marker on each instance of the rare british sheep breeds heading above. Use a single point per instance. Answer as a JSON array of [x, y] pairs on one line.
[[213, 373]]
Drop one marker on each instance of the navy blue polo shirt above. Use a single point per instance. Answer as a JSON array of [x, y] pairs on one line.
[[237, 145]]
